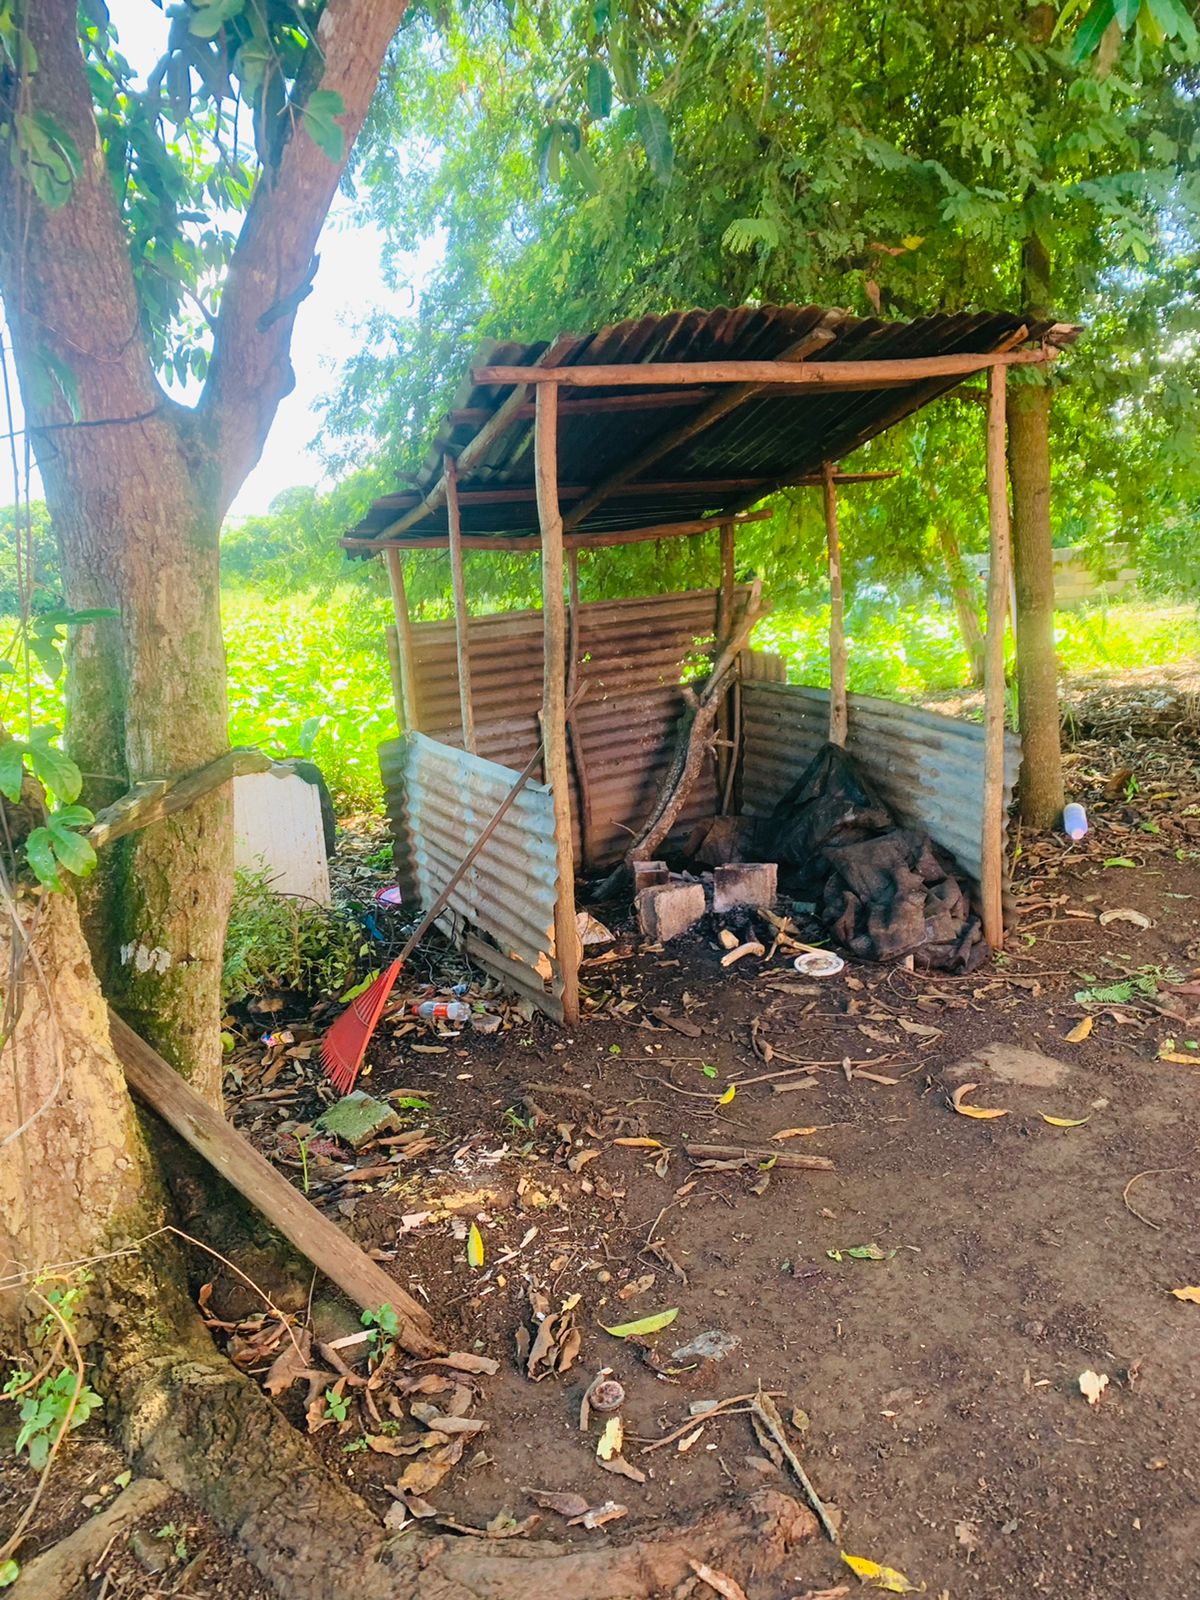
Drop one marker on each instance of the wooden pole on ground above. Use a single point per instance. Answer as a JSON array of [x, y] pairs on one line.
[[408, 665], [252, 1175], [991, 881], [462, 622], [554, 696], [838, 713]]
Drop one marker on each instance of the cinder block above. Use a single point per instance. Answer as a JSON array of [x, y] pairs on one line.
[[748, 883], [666, 910], [646, 873]]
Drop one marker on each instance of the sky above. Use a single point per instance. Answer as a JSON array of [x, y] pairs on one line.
[[349, 285]]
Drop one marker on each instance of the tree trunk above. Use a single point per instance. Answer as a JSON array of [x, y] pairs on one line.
[[966, 601], [1041, 788]]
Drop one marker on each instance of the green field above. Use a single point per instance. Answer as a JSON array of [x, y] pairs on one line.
[[309, 676]]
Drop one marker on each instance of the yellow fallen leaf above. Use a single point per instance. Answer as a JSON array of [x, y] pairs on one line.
[[1064, 1122], [1080, 1031], [640, 1144], [880, 1577], [474, 1247], [728, 1095], [1179, 1058], [1190, 1292], [610, 1441], [982, 1112], [794, 1133], [1092, 1385], [654, 1323]]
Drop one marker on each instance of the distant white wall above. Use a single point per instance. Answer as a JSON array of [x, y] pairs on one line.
[[277, 825], [1075, 582]]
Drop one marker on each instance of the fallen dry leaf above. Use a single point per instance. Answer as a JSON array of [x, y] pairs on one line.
[[1064, 1122], [920, 1029], [463, 1361], [636, 1287], [794, 1133], [982, 1112], [685, 1444], [720, 1581], [610, 1441], [597, 1516], [474, 1246], [878, 1577], [1190, 1292], [639, 1144], [1081, 1030], [1092, 1385], [654, 1323], [622, 1468], [1179, 1059], [291, 1364], [564, 1502], [1125, 914]]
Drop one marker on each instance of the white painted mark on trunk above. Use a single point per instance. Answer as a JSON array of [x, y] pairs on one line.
[[144, 959]]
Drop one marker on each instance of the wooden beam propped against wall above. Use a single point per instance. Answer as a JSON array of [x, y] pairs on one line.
[[462, 620], [407, 709]]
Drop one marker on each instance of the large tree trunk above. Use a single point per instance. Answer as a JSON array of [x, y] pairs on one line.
[[1033, 572]]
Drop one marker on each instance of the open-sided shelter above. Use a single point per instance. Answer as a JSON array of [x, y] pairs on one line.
[[661, 427]]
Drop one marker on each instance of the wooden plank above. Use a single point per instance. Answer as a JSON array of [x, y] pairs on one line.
[[526, 493], [391, 637], [151, 802], [554, 692], [526, 544], [411, 720], [880, 374], [725, 721], [991, 885], [690, 428], [462, 621], [196, 1122], [574, 732], [589, 403], [838, 712]]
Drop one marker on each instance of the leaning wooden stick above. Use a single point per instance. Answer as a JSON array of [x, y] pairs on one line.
[[765, 1412]]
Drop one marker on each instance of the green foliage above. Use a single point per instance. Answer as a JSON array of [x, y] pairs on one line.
[[43, 1410], [279, 942]]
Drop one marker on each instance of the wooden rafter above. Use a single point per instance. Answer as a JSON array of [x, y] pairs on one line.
[[527, 544], [690, 428]]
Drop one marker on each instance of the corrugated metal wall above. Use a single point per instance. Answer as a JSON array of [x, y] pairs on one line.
[[632, 656], [928, 768], [439, 800]]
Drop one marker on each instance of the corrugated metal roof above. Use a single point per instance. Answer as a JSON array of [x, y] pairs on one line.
[[773, 438]]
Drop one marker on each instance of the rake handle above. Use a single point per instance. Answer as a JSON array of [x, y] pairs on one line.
[[439, 905]]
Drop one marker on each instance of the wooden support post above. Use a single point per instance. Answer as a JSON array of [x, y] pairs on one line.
[[554, 697], [991, 883], [462, 622], [391, 637], [408, 666], [838, 714]]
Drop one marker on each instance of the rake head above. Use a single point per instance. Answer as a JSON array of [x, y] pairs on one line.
[[345, 1044]]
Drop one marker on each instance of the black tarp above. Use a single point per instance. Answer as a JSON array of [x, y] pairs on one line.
[[882, 890]]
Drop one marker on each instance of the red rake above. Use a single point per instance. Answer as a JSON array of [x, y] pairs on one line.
[[345, 1044]]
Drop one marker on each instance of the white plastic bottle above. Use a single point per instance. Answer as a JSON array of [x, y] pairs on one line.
[[1074, 820]]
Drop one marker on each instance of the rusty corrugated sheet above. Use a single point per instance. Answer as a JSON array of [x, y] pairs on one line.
[[773, 439], [439, 799], [631, 657], [929, 768]]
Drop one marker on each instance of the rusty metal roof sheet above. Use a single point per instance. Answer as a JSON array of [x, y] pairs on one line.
[[774, 438]]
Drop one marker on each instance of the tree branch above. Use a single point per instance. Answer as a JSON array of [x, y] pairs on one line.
[[251, 369]]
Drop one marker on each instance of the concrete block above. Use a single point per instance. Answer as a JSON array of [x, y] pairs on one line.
[[666, 910], [748, 883], [646, 873]]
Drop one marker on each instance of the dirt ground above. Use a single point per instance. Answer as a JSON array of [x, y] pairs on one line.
[[933, 1381]]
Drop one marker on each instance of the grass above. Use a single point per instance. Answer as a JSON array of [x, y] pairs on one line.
[[310, 676]]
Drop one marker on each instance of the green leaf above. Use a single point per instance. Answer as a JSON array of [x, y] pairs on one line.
[[623, 71], [10, 1571], [1173, 18], [1125, 12], [1120, 861], [320, 110], [599, 89], [12, 769], [206, 21], [656, 139], [72, 849], [583, 168], [654, 1323], [48, 157], [1091, 30], [43, 863], [55, 769], [73, 817]]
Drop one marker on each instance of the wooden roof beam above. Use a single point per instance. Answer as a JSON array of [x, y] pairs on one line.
[[527, 543], [880, 374], [586, 404], [478, 447], [519, 493], [720, 406]]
